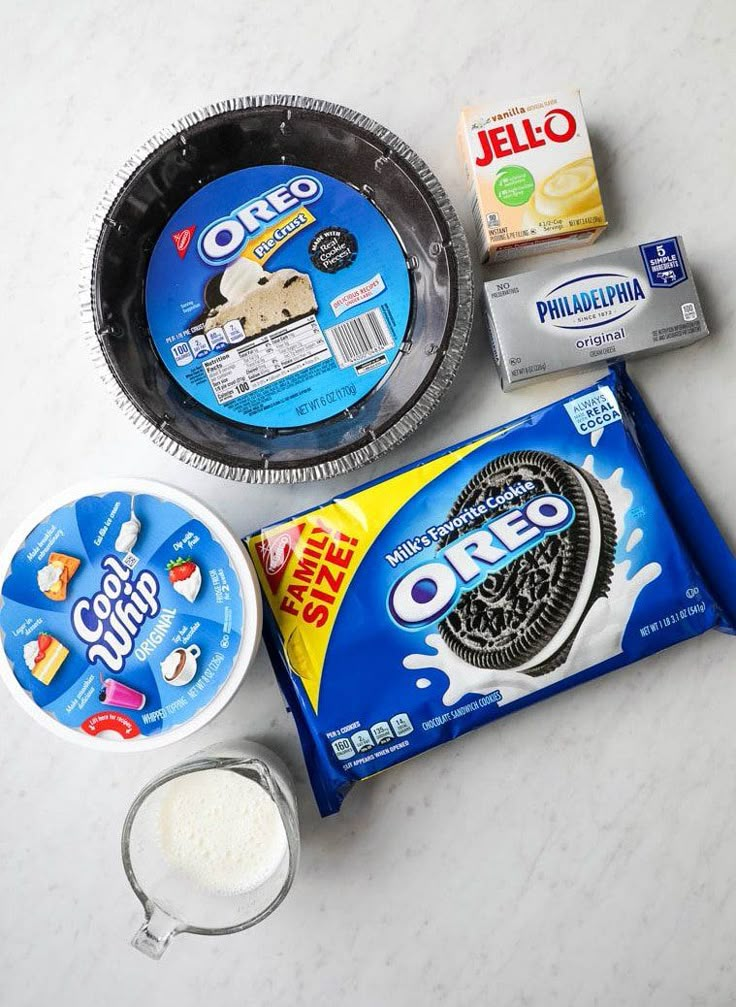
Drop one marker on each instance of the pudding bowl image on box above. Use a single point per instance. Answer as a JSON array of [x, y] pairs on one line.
[[277, 288], [129, 615]]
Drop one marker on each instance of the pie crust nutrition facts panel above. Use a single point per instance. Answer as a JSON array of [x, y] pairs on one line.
[[269, 358]]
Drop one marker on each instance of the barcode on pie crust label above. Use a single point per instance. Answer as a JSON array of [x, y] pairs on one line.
[[359, 338]]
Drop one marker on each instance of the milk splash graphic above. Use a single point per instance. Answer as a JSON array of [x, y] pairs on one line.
[[599, 638]]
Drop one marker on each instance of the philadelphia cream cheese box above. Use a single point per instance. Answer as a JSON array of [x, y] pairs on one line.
[[531, 176], [594, 311]]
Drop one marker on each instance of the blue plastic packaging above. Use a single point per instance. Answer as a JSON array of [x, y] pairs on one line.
[[532, 558]]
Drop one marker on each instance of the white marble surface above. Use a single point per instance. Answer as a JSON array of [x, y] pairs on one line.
[[578, 853]]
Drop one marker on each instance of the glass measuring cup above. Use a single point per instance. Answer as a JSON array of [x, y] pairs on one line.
[[172, 902]]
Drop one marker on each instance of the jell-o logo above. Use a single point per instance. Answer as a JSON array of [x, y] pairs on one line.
[[558, 126]]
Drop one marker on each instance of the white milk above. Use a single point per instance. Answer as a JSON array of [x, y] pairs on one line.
[[222, 830]]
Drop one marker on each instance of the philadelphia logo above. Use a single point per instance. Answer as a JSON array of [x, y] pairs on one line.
[[590, 301]]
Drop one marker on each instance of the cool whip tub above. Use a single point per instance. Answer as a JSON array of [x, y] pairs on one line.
[[277, 288], [531, 176], [129, 615], [636, 301], [532, 558]]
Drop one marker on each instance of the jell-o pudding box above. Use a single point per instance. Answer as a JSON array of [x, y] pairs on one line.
[[531, 175]]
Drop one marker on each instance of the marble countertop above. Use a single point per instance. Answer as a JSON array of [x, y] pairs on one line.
[[577, 853]]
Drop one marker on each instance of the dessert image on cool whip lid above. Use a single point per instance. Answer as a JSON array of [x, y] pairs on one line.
[[152, 629], [277, 288]]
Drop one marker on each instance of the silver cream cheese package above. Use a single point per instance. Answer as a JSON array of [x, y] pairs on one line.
[[608, 307]]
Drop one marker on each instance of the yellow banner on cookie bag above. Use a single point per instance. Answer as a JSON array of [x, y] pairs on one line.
[[262, 247], [305, 565]]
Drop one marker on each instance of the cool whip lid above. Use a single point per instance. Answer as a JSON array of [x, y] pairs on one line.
[[277, 288], [129, 615]]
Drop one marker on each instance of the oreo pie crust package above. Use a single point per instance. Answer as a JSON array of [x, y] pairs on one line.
[[539, 555], [277, 288]]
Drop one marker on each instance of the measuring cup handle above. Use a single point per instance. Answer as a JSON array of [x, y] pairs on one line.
[[154, 935]]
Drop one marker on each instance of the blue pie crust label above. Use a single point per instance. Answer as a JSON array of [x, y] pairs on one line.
[[278, 297]]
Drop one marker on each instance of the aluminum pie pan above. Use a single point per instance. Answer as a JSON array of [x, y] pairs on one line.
[[205, 145]]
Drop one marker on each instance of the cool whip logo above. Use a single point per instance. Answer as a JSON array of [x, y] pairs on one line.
[[590, 301], [223, 240], [429, 591], [110, 620], [558, 126]]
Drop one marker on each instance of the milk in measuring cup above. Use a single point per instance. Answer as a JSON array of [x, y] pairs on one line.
[[221, 830]]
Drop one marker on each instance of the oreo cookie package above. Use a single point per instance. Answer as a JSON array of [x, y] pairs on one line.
[[536, 556]]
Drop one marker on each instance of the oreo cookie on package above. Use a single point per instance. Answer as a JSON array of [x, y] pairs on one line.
[[567, 544], [277, 288], [526, 616]]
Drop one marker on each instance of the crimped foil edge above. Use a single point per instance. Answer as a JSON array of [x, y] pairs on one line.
[[356, 457]]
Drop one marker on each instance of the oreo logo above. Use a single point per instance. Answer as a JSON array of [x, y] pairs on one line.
[[223, 240], [430, 590]]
